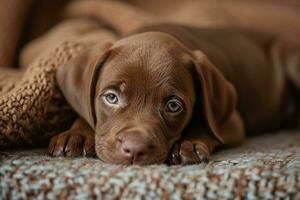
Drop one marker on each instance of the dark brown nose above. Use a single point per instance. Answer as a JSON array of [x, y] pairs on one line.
[[134, 147]]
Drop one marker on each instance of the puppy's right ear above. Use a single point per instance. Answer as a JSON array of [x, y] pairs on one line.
[[77, 80], [219, 99]]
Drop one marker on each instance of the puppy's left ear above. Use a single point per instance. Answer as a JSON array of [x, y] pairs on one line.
[[218, 97], [77, 80]]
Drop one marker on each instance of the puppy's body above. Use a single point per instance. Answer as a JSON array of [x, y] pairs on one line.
[[199, 74]]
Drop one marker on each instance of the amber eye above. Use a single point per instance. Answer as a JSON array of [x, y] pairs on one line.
[[111, 97], [174, 106]]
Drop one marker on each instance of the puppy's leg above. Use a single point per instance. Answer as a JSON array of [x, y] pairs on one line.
[[78, 140], [198, 143], [285, 54]]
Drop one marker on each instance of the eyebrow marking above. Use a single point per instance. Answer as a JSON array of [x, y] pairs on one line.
[[114, 85], [122, 86]]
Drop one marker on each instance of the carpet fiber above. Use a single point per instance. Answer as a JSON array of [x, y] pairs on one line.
[[265, 167]]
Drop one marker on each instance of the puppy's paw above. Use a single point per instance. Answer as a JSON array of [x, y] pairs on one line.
[[72, 143], [189, 152]]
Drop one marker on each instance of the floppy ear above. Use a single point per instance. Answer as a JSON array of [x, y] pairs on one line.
[[77, 80], [219, 97]]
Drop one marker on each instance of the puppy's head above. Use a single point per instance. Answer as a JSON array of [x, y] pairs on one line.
[[139, 94]]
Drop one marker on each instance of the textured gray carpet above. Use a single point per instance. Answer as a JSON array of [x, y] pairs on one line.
[[265, 167]]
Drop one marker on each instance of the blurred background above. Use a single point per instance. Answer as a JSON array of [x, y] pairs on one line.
[[267, 15], [22, 21]]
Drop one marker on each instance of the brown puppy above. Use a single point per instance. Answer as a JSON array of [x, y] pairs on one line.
[[178, 91]]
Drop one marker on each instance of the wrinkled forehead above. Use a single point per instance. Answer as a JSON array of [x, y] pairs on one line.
[[147, 65]]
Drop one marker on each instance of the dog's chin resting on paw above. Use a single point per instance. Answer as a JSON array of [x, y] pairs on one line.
[[173, 93]]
